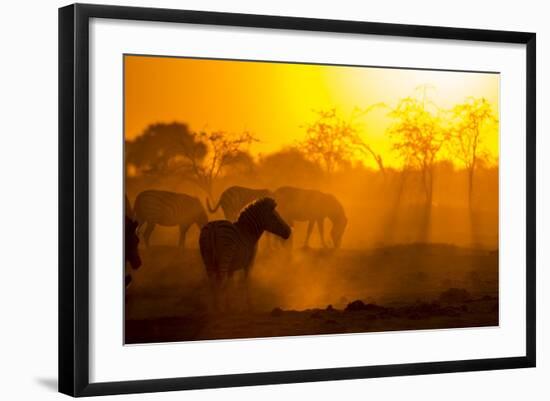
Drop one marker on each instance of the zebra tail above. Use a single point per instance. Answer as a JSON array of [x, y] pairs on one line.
[[209, 207]]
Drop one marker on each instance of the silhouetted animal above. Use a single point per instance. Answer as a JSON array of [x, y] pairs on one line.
[[131, 241], [297, 204], [227, 247], [168, 209], [234, 198]]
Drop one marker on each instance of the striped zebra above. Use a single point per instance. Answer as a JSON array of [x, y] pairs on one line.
[[235, 198], [297, 204], [131, 241], [168, 209], [227, 247]]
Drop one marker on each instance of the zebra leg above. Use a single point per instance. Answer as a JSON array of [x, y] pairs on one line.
[[321, 227], [148, 231], [308, 233], [183, 233]]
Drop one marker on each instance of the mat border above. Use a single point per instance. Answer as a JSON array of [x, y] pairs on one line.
[[73, 278]]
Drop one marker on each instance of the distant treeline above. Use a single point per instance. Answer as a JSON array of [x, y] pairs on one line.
[[445, 166]]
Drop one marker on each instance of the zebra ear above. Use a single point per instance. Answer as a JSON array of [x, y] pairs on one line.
[[272, 203]]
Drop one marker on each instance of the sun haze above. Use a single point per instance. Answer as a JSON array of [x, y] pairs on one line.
[[385, 184], [275, 100]]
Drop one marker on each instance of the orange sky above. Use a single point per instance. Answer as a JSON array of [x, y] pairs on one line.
[[274, 100]]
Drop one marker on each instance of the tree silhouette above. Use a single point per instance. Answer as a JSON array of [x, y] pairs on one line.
[[160, 148], [165, 149], [289, 163], [328, 139], [361, 145], [418, 136], [471, 120], [223, 149], [334, 141], [366, 149]]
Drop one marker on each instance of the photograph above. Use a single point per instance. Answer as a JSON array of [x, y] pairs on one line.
[[257, 198], [279, 198]]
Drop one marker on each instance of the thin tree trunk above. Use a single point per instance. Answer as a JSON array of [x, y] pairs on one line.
[[393, 213], [470, 187], [427, 178], [425, 218], [474, 233]]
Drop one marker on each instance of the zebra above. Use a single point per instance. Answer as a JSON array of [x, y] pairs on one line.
[[234, 198], [131, 241], [168, 209], [226, 247], [297, 204]]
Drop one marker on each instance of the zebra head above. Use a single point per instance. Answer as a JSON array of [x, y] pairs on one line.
[[131, 241], [337, 231], [261, 215], [273, 222]]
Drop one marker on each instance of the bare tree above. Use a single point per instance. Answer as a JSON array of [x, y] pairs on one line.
[[366, 149], [471, 120], [363, 146], [418, 136], [224, 149], [328, 139], [333, 140]]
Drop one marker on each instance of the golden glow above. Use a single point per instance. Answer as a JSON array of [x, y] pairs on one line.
[[275, 100]]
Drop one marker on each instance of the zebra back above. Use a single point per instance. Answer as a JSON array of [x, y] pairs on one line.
[[308, 204], [260, 216], [222, 246], [168, 208], [227, 246], [235, 198]]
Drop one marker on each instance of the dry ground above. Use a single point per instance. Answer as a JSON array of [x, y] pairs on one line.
[[313, 291]]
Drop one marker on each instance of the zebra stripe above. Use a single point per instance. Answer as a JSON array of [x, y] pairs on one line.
[[165, 208], [235, 198], [298, 204], [227, 247], [131, 253]]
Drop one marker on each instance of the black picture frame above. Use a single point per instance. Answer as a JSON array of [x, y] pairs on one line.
[[74, 198]]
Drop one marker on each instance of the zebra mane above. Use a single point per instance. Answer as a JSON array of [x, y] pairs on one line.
[[258, 204]]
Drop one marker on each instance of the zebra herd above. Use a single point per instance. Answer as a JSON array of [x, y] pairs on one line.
[[164, 208], [230, 245]]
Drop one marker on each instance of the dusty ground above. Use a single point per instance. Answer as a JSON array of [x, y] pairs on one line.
[[315, 291]]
